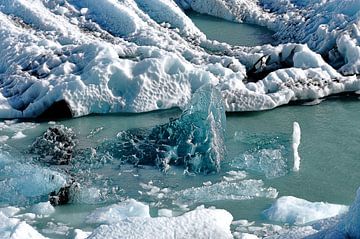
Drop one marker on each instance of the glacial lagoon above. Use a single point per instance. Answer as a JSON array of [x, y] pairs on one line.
[[256, 169]]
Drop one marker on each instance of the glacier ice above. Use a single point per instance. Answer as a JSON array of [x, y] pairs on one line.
[[199, 223], [83, 57], [292, 210], [195, 139]]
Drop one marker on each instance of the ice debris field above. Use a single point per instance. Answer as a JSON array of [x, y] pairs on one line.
[[72, 58]]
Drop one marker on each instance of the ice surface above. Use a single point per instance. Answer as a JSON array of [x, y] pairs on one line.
[[199, 223], [136, 56], [288, 209], [295, 145], [195, 139], [117, 212]]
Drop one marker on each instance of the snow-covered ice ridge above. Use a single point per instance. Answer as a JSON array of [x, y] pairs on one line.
[[141, 55]]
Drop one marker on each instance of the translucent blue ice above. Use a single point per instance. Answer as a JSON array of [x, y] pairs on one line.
[[195, 139]]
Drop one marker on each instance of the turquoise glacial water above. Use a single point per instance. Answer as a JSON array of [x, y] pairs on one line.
[[231, 32], [328, 150]]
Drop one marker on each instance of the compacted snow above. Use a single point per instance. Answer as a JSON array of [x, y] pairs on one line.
[[136, 56]]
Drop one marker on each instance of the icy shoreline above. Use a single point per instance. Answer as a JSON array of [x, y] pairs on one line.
[[139, 56]]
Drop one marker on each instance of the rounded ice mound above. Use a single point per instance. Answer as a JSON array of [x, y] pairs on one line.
[[298, 211], [117, 212]]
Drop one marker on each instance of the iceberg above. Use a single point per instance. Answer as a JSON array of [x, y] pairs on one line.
[[195, 139]]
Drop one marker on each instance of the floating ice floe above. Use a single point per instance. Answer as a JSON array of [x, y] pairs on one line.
[[73, 58], [240, 190], [199, 223], [292, 210]]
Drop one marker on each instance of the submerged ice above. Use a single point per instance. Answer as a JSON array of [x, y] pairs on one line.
[[265, 154]]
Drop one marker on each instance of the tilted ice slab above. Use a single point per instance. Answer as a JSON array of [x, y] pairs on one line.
[[199, 223], [136, 56], [288, 209]]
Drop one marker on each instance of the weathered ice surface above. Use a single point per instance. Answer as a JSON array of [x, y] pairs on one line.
[[74, 58]]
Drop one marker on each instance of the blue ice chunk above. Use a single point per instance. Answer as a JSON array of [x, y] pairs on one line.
[[195, 139]]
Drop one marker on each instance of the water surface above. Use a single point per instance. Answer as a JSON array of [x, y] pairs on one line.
[[242, 34]]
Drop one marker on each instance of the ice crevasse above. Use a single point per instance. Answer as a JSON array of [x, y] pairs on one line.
[[137, 56]]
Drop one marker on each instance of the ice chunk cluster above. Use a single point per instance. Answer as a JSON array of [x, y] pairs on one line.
[[74, 58], [195, 139]]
